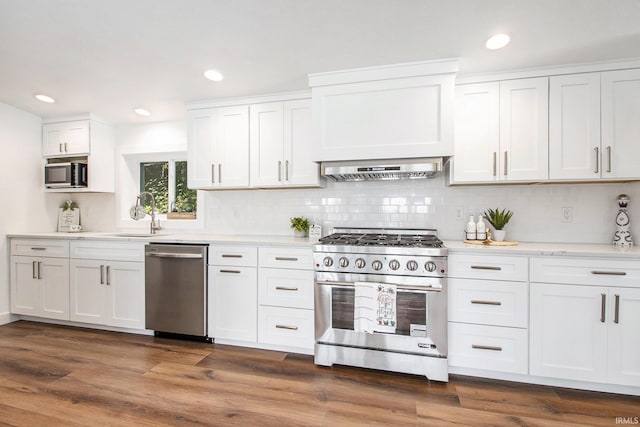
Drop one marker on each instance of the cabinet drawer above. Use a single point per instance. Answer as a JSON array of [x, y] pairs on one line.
[[285, 288], [296, 258], [591, 271], [491, 348], [488, 302], [291, 327], [114, 251], [51, 248], [493, 267], [233, 255]]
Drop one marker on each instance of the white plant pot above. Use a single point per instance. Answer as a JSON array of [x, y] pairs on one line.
[[498, 235], [299, 234]]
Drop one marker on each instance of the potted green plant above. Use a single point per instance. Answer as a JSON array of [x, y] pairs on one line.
[[498, 220], [300, 226]]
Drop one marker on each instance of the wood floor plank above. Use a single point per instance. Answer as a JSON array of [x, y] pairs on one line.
[[59, 375]]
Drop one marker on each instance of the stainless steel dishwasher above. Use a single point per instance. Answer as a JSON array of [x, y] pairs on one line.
[[176, 290]]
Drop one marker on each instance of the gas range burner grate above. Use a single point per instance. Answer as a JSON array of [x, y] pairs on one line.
[[388, 240]]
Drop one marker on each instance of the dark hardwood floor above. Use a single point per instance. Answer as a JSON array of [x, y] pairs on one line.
[[55, 375]]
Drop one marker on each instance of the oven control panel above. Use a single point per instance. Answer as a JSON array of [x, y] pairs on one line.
[[388, 264]]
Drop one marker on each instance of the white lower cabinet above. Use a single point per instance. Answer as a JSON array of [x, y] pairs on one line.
[[107, 283], [107, 292], [40, 287], [233, 303], [291, 327]]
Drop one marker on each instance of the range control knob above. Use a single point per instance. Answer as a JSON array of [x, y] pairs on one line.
[[360, 263], [343, 262], [327, 261], [430, 266], [394, 264], [377, 265], [412, 265]]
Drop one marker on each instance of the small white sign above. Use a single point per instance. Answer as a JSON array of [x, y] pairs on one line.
[[69, 220], [315, 232]]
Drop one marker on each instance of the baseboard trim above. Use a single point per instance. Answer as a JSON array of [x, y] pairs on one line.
[[84, 325], [8, 318]]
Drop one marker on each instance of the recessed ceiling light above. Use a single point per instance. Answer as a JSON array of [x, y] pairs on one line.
[[498, 41], [142, 112], [44, 98], [213, 75]]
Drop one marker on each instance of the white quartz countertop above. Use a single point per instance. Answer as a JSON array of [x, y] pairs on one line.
[[554, 249], [174, 238]]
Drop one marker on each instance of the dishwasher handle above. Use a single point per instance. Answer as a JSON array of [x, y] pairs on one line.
[[174, 255]]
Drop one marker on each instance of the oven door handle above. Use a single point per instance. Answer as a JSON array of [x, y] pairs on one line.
[[399, 287]]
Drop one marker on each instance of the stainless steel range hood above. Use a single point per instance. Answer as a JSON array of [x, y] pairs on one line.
[[377, 170]]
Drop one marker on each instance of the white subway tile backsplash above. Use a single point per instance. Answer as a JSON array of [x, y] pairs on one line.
[[428, 204]]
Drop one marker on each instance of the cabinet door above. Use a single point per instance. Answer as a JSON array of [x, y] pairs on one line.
[[201, 149], [125, 282], [25, 286], [267, 162], [232, 147], [88, 291], [66, 138], [233, 303], [524, 129], [299, 168], [477, 132], [568, 333], [574, 126], [624, 342], [620, 124], [54, 278]]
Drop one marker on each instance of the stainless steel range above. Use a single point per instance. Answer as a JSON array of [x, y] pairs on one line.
[[409, 264]]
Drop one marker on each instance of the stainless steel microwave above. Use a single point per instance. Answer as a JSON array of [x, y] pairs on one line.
[[65, 175]]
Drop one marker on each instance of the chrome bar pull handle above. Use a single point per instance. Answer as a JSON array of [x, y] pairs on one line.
[[219, 173], [473, 301], [286, 258], [486, 347], [230, 271], [60, 147], [102, 274], [231, 256], [286, 170], [33, 269], [608, 158], [495, 163], [597, 168], [285, 288], [279, 170], [39, 270], [108, 275], [38, 249], [603, 307], [292, 328], [65, 148], [213, 173], [616, 311], [505, 162], [485, 267], [610, 273]]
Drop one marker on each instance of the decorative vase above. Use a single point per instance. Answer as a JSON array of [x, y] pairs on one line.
[[498, 235], [622, 237], [299, 234]]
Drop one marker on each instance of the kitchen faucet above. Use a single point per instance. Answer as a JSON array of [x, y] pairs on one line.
[[155, 225]]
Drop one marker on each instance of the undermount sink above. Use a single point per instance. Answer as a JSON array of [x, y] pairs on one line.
[[132, 235]]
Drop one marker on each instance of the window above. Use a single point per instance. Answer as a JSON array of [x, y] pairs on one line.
[[167, 181]]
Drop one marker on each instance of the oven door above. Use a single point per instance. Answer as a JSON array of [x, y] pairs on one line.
[[421, 311]]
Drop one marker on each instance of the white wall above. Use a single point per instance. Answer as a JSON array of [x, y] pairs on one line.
[[21, 176]]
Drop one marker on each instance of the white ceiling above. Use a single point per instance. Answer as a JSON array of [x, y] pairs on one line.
[[106, 57]]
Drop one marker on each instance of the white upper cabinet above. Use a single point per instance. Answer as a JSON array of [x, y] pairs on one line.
[[574, 127], [477, 132], [396, 111], [281, 145], [66, 139], [501, 131], [524, 129], [621, 124], [218, 148]]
